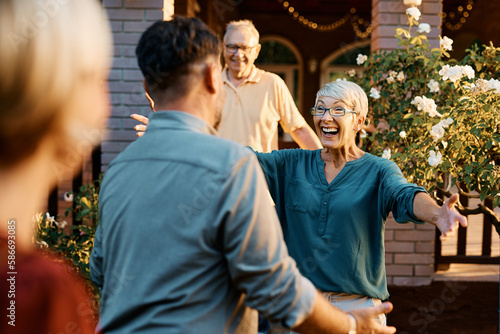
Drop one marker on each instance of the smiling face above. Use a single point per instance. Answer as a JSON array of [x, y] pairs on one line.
[[336, 132], [240, 63]]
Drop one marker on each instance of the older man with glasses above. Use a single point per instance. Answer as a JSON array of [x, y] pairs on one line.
[[257, 100]]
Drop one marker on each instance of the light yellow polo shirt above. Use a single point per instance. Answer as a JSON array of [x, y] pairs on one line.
[[254, 108]]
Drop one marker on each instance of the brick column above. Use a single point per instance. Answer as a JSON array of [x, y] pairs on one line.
[[409, 247], [409, 250], [387, 15], [129, 18]]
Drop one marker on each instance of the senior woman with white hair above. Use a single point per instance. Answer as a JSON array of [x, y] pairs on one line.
[[54, 61], [333, 202]]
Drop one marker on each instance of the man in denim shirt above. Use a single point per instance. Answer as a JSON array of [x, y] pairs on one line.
[[188, 240]]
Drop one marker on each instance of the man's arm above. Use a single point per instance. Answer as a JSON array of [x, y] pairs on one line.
[[446, 218], [306, 138], [326, 318], [95, 261]]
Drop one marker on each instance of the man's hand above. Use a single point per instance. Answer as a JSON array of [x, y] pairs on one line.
[[449, 218], [140, 128], [326, 319], [366, 322]]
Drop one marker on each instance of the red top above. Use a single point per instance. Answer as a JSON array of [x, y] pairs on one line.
[[40, 295]]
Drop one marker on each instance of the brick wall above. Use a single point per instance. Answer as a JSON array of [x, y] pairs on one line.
[[129, 18], [387, 15], [409, 250]]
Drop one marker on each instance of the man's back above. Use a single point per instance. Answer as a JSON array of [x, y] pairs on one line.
[[178, 220]]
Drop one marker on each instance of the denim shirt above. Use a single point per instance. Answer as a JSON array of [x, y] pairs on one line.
[[188, 240], [335, 231]]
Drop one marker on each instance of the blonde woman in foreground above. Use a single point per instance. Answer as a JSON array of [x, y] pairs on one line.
[[54, 61]]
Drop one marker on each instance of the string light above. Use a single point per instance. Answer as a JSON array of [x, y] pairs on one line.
[[461, 17], [356, 21]]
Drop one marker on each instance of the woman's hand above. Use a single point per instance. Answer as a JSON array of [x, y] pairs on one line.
[[446, 218], [140, 128], [449, 218]]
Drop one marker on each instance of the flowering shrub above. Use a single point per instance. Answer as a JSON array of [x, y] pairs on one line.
[[76, 246], [438, 120]]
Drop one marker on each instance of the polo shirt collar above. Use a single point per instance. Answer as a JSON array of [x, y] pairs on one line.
[[254, 77]]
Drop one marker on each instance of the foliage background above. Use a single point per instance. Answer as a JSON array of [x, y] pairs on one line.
[[74, 242], [469, 146]]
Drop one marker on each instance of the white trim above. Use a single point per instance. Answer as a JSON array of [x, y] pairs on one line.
[[325, 69]]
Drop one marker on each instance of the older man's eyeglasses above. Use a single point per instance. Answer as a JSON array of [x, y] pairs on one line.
[[335, 111], [232, 48]]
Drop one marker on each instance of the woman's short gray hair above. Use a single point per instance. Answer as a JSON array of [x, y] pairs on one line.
[[348, 92], [242, 24]]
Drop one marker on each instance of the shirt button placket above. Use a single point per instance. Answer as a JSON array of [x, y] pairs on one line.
[[323, 213]]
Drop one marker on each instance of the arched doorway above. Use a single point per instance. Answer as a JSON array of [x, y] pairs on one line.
[[280, 56], [336, 64]]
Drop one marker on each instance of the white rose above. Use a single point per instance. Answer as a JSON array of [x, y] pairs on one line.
[[393, 73], [374, 93], [444, 71], [390, 79], [387, 154], [416, 101], [445, 42], [495, 85], [433, 86], [483, 85], [400, 77], [431, 108], [413, 12], [468, 71], [68, 197], [361, 59], [424, 27], [434, 159], [426, 105], [351, 72], [446, 122], [402, 134], [437, 131], [453, 73]]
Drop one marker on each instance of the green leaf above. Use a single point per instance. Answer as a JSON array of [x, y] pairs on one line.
[[400, 31]]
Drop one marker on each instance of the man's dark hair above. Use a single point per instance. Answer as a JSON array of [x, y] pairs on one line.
[[168, 48]]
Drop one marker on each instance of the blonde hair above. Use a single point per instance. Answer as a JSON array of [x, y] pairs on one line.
[[348, 92], [242, 25], [47, 50]]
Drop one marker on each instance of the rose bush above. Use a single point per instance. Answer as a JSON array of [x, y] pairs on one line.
[[75, 242], [437, 118]]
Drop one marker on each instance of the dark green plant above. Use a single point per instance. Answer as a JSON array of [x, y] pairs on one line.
[[74, 243]]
